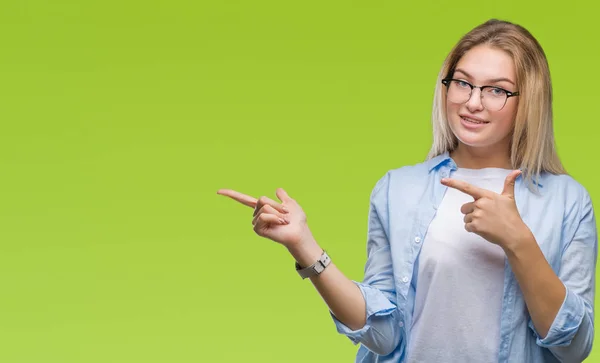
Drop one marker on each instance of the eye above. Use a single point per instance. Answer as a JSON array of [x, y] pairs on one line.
[[462, 84], [496, 92]]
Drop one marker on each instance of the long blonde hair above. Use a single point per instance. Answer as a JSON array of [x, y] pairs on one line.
[[532, 146]]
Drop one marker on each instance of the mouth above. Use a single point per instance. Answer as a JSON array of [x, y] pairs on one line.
[[473, 121]]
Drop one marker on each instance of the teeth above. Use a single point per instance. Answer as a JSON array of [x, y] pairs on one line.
[[473, 121]]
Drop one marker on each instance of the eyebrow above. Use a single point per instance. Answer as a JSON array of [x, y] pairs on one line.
[[491, 80]]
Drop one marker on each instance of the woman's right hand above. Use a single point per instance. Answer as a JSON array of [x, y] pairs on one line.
[[283, 222]]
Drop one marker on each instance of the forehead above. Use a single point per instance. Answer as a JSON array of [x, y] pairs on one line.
[[484, 63]]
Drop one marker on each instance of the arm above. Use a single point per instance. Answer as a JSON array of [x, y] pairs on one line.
[[561, 306], [542, 289], [365, 312], [341, 295], [369, 307]]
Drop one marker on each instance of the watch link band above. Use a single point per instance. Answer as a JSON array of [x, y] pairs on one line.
[[316, 268]]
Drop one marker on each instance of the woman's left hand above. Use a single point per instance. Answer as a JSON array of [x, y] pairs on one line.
[[493, 216]]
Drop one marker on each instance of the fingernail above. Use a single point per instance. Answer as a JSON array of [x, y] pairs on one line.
[[287, 220], [281, 221], [285, 209], [444, 180]]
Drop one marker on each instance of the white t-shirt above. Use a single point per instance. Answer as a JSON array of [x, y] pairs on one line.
[[460, 283]]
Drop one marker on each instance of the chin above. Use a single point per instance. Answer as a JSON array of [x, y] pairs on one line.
[[475, 138], [488, 140]]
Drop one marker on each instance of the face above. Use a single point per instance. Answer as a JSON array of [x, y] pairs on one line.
[[474, 124]]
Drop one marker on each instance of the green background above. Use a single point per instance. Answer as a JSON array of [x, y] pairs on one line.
[[121, 119]]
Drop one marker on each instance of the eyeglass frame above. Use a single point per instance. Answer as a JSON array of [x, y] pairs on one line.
[[509, 94]]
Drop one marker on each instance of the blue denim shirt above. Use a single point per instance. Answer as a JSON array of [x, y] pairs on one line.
[[402, 205]]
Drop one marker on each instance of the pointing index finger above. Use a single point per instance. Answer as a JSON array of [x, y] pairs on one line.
[[465, 187], [242, 198]]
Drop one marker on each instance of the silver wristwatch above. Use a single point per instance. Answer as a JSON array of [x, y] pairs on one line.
[[316, 268]]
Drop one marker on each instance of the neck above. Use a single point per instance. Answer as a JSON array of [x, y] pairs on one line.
[[469, 157]]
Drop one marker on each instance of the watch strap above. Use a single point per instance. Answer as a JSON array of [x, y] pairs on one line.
[[316, 268]]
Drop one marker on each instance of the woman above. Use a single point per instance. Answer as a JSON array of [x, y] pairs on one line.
[[485, 252]]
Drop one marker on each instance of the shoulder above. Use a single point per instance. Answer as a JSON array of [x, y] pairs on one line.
[[564, 186], [400, 177], [574, 197]]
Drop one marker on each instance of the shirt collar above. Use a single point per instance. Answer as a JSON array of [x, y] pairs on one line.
[[439, 160], [444, 158]]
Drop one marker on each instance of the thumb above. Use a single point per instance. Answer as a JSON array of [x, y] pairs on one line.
[[509, 183], [282, 195]]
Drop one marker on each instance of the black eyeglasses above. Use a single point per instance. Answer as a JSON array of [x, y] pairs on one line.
[[492, 98]]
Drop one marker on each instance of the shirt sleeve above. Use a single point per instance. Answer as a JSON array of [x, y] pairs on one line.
[[381, 333], [571, 334]]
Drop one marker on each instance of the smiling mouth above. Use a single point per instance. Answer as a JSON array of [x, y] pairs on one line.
[[473, 121]]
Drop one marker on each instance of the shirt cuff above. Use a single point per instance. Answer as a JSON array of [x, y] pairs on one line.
[[565, 324], [376, 304]]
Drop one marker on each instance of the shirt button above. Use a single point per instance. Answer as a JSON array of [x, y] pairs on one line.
[[444, 174], [405, 279], [401, 324], [418, 239]]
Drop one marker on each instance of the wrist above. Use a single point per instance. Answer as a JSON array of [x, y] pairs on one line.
[[306, 252], [521, 241]]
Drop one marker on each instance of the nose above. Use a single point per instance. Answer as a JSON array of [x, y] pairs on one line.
[[474, 103]]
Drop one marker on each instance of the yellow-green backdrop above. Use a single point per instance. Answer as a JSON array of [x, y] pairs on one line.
[[121, 119]]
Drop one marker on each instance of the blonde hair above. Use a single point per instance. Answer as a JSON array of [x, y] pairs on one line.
[[532, 146]]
